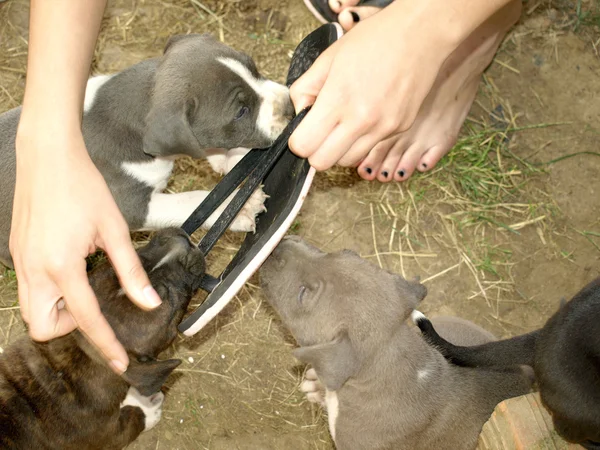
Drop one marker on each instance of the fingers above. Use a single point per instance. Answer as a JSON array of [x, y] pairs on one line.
[[305, 90], [22, 288], [334, 147], [84, 309], [49, 320], [128, 267]]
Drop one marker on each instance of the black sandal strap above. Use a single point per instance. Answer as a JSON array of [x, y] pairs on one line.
[[263, 166], [222, 190]]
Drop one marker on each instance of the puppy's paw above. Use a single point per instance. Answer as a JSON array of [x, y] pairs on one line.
[[246, 218], [218, 160], [150, 406], [312, 387], [234, 156], [222, 161]]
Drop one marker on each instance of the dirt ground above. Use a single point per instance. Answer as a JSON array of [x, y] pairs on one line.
[[498, 233]]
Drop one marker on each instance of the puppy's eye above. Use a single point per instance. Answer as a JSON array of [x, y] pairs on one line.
[[145, 358], [301, 294], [242, 112]]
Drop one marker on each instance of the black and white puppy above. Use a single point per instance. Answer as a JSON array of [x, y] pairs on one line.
[[565, 356], [200, 94]]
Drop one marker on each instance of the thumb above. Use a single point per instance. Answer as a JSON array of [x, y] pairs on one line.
[[305, 90], [116, 242]]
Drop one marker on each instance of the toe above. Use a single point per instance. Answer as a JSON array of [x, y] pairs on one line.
[[432, 156], [339, 5], [369, 168], [386, 171], [408, 162], [349, 17], [335, 5], [366, 172]]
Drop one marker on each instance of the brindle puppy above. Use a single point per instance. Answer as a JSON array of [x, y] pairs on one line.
[[62, 395]]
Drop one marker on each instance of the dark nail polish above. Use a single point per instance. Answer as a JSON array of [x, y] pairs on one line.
[[401, 173], [368, 170], [355, 16], [385, 173]]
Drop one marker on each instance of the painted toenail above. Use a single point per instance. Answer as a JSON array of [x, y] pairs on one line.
[[401, 173], [368, 170], [355, 16], [385, 173]]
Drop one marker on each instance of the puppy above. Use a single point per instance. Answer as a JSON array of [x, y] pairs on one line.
[[62, 395], [384, 387], [199, 95], [565, 356]]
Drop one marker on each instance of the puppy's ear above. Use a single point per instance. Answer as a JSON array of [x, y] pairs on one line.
[[418, 290], [409, 294], [168, 128], [334, 362], [175, 39], [180, 37], [148, 377]]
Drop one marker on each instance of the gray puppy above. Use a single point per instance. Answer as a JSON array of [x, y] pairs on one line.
[[382, 385], [200, 94]]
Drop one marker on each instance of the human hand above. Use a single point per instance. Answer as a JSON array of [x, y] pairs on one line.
[[368, 86], [63, 210]]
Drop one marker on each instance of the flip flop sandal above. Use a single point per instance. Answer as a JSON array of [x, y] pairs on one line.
[[285, 178], [324, 14]]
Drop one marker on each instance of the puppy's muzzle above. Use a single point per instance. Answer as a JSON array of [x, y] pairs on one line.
[[173, 245]]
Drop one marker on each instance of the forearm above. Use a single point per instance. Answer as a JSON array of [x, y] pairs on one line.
[[62, 38]]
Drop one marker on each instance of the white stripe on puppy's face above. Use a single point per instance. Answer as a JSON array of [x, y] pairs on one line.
[[275, 103]]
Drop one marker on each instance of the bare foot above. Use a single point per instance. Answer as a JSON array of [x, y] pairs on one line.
[[445, 109], [349, 14]]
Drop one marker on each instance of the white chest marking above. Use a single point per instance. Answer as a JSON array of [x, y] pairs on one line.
[[153, 173], [271, 94], [333, 408], [91, 90], [151, 406]]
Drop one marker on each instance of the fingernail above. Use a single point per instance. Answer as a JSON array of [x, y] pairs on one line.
[[355, 16], [401, 173], [118, 366], [385, 173], [368, 170], [151, 297]]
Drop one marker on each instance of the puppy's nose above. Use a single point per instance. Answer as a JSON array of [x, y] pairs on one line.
[[288, 110], [195, 263], [278, 255], [293, 238]]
